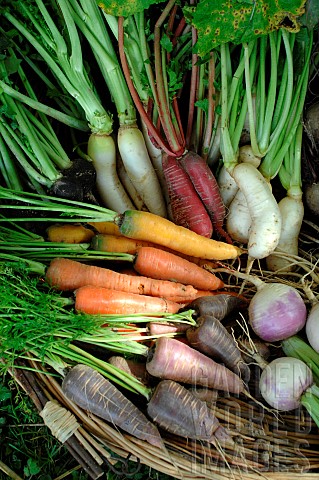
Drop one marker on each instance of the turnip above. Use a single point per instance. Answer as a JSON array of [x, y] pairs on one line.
[[276, 311], [287, 383], [312, 327]]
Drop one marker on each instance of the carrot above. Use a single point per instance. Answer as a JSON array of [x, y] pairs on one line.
[[66, 274], [88, 389], [158, 328], [207, 189], [99, 300], [177, 410], [133, 367], [147, 226], [156, 263], [187, 208], [120, 244], [174, 360], [219, 305], [106, 227], [209, 336], [69, 233]]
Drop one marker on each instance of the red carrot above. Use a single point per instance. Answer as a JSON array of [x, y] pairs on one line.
[[174, 360], [88, 389], [207, 189], [156, 263], [99, 300], [187, 208], [65, 274]]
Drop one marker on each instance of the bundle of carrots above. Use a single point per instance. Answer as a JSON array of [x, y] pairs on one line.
[[162, 282]]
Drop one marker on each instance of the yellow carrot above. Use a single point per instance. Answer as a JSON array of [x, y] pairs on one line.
[[147, 226]]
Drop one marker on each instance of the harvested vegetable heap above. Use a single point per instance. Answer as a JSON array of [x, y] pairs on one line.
[[158, 263]]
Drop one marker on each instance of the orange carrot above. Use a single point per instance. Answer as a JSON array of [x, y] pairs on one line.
[[163, 265], [66, 274], [147, 226], [69, 233], [121, 244], [99, 300]]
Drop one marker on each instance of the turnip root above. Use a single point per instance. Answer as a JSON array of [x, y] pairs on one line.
[[284, 382], [312, 327]]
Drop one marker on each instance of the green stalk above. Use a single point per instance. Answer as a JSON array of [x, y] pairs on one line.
[[171, 132], [250, 64], [68, 69], [20, 151], [266, 112], [40, 158], [94, 30], [140, 21], [40, 107], [228, 153], [261, 86], [290, 170], [296, 347], [50, 142], [8, 168], [311, 403], [68, 210], [288, 89]]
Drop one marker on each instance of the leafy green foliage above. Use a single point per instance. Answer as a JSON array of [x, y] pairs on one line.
[[240, 21], [123, 8]]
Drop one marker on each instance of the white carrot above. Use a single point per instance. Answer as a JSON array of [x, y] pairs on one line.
[[227, 186], [239, 219], [292, 212], [265, 214], [140, 169], [102, 151], [128, 185]]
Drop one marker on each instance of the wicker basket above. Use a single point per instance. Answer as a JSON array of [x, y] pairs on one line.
[[265, 446]]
